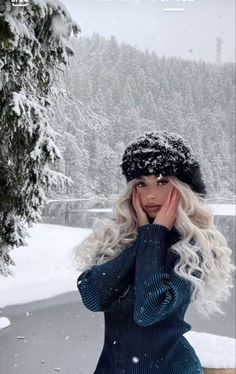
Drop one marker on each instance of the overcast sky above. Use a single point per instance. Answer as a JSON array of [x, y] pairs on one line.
[[189, 32]]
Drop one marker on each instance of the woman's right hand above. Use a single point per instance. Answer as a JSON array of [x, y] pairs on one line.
[[141, 215]]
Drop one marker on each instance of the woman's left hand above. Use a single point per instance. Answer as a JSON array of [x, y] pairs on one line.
[[167, 214]]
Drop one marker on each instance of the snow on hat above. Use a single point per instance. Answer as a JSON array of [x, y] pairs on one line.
[[161, 152]]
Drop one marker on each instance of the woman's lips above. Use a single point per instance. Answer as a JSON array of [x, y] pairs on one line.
[[153, 208]]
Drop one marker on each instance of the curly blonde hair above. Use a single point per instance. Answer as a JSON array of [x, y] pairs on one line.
[[208, 255]]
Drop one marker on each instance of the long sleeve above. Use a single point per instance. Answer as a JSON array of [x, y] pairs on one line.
[[101, 285], [158, 293]]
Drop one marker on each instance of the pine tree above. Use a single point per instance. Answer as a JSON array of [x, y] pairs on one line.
[[34, 42]]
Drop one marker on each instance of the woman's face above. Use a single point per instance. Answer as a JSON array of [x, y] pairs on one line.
[[152, 190]]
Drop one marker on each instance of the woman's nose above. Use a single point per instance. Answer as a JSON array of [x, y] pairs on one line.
[[151, 194]]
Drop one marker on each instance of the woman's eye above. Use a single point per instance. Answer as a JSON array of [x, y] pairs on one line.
[[162, 182]]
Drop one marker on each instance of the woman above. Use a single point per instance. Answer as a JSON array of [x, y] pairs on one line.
[[159, 253]]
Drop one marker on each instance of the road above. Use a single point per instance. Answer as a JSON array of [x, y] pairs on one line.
[[59, 335]]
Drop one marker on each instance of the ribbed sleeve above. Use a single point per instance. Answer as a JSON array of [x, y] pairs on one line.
[[158, 293], [101, 285]]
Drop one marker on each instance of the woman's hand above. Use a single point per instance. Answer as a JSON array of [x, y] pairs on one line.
[[167, 214], [141, 215]]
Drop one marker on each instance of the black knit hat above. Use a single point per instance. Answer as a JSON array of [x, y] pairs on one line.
[[161, 152]]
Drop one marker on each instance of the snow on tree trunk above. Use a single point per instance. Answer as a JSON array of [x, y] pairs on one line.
[[34, 42]]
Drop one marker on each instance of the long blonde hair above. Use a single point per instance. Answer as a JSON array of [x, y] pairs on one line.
[[209, 255]]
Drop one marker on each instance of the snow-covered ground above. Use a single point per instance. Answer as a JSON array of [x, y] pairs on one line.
[[45, 269], [223, 209]]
